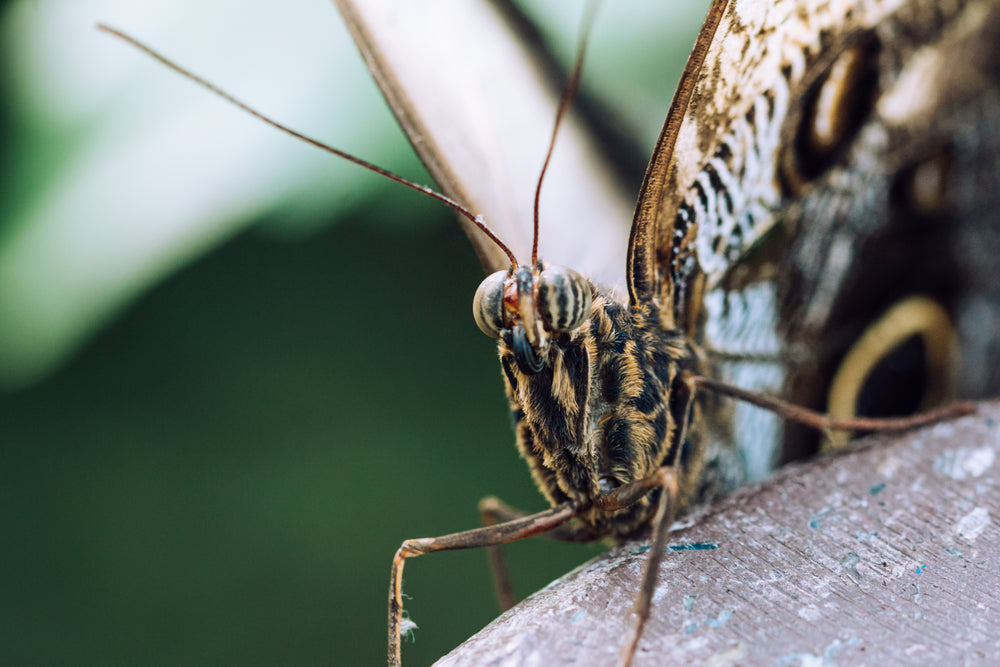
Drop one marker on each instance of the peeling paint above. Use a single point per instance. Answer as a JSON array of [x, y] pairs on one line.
[[716, 622], [971, 526], [813, 660], [734, 656], [943, 431], [888, 467], [809, 613], [849, 563], [800, 660], [965, 462], [721, 620]]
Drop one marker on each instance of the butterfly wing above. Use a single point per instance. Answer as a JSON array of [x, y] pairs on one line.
[[893, 260], [481, 124], [830, 160], [713, 183]]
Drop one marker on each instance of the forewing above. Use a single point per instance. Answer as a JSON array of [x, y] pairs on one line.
[[479, 113]]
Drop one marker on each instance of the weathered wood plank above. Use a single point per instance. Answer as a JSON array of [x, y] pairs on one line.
[[887, 555]]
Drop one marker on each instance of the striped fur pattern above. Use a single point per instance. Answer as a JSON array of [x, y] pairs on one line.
[[599, 415], [563, 299]]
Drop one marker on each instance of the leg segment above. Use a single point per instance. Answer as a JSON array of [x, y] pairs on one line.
[[666, 479], [502, 533], [493, 511], [821, 421], [553, 523]]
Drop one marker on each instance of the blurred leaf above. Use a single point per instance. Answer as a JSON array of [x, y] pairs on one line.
[[125, 171], [221, 474]]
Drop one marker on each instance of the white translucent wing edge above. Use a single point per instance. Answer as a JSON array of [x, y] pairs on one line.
[[479, 113]]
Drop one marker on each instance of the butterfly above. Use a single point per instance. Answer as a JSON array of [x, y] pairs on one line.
[[792, 133], [754, 147]]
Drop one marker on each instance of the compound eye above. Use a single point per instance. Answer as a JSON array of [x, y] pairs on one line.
[[487, 305], [564, 298]]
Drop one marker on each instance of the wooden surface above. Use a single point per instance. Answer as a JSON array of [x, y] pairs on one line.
[[887, 555]]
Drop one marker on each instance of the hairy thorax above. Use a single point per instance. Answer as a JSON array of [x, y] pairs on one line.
[[599, 414]]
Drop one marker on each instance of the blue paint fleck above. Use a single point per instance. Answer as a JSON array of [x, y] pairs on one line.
[[689, 546], [920, 568], [954, 552], [689, 602], [817, 519], [693, 546], [877, 489], [577, 617], [691, 628]]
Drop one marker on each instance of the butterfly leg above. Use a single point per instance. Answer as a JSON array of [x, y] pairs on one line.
[[667, 479], [825, 422], [493, 511], [664, 479], [510, 531]]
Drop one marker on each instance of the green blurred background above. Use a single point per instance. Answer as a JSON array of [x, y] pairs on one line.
[[213, 457]]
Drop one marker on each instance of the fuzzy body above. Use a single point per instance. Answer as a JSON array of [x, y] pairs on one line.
[[600, 415]]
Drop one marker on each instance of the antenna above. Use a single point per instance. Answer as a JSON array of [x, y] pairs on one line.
[[564, 102], [477, 220]]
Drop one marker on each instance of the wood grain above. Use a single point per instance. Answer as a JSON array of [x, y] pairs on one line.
[[887, 555]]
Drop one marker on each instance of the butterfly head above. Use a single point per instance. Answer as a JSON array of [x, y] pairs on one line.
[[526, 307]]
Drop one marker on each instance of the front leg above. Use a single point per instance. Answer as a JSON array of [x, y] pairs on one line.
[[666, 480], [511, 531], [550, 521]]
